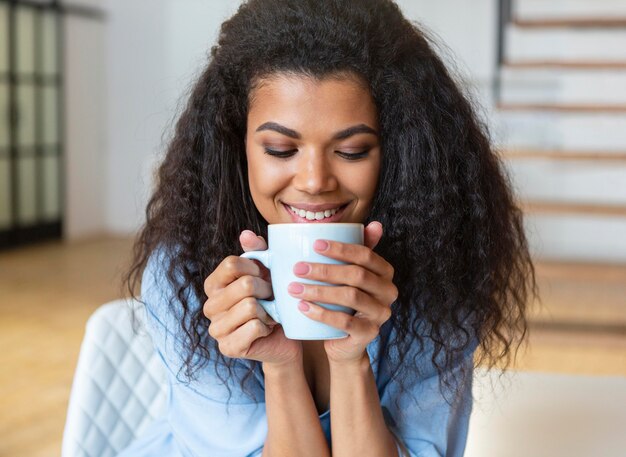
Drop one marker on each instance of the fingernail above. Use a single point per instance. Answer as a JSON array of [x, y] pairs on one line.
[[303, 306], [320, 245], [295, 288], [301, 268]]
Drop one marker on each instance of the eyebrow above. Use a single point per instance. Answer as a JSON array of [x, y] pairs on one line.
[[342, 134]]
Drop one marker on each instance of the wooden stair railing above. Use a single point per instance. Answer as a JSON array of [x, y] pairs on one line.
[[592, 156], [566, 64], [572, 22], [589, 209], [573, 108]]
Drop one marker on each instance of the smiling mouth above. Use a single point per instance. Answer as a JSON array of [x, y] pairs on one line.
[[313, 217]]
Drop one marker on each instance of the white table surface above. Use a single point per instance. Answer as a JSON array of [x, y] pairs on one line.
[[528, 414]]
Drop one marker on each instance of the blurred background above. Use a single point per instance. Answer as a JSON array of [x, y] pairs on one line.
[[89, 92]]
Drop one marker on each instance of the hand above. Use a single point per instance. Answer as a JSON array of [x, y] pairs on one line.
[[239, 323], [365, 285]]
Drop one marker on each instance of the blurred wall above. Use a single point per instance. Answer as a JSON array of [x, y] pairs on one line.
[[86, 153], [136, 68], [137, 77]]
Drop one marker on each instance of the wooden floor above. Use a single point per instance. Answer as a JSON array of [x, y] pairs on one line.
[[47, 293]]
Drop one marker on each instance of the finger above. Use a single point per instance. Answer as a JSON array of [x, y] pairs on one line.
[[349, 275], [350, 297], [361, 329], [244, 311], [372, 234], [237, 344], [251, 242], [230, 269], [356, 254], [226, 298]]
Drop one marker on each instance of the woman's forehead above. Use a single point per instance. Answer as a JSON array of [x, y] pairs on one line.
[[290, 79], [306, 89], [298, 96]]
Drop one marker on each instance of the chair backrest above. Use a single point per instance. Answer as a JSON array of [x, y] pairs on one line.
[[119, 385]]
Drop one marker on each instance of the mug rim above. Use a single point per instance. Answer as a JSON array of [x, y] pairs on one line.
[[314, 223]]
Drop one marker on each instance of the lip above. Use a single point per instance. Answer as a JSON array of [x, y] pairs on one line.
[[334, 218], [315, 208]]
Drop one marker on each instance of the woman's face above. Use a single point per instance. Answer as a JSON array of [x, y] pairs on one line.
[[328, 134]]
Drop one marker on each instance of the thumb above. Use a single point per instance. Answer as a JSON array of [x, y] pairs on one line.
[[251, 242], [373, 234]]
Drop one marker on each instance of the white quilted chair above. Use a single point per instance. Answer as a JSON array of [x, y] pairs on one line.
[[119, 385]]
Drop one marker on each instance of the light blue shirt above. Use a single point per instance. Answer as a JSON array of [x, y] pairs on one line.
[[198, 421]]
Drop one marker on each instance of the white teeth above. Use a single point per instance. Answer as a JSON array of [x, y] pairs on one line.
[[310, 215]]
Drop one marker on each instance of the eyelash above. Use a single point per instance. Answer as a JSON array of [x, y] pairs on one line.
[[286, 154]]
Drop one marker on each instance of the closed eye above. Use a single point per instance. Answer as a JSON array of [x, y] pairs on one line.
[[289, 153], [280, 154]]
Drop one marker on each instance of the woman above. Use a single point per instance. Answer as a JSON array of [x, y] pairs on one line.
[[335, 111]]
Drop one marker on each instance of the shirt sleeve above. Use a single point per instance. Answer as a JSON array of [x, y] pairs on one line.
[[202, 418], [424, 421]]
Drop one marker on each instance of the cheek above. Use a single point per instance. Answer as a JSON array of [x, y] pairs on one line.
[[265, 178], [254, 178], [362, 182], [372, 180]]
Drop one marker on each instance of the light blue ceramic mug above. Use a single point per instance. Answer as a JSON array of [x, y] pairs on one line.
[[287, 245]]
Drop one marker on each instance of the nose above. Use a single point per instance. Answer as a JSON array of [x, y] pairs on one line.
[[314, 174]]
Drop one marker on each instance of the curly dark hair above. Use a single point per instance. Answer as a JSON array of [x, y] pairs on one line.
[[453, 232]]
